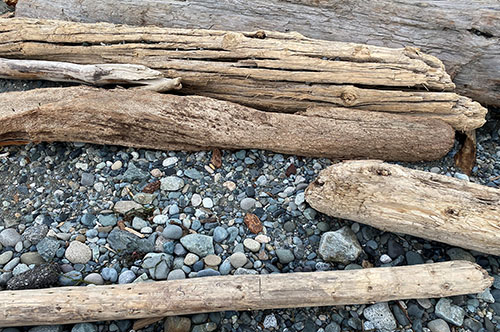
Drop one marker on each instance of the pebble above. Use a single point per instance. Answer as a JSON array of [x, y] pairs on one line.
[[220, 234], [70, 278], [84, 327], [47, 328], [171, 183], [78, 253], [158, 265], [109, 274], [193, 173], [340, 246], [94, 278], [170, 161], [385, 259], [177, 324], [230, 185], [172, 232], [138, 223], [5, 257], [251, 245], [460, 254], [47, 248], [414, 258], [33, 257], [450, 312], [87, 179], [190, 259], [238, 259], [270, 322], [160, 219], [225, 267], [35, 233], [212, 260], [208, 203], [285, 256], [196, 200], [126, 277], [176, 274], [380, 316], [248, 203], [144, 198], [117, 165], [123, 207], [201, 245], [332, 327], [261, 238], [208, 273], [438, 325], [9, 237]]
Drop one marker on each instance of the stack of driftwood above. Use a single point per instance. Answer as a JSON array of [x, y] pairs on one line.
[[268, 90]]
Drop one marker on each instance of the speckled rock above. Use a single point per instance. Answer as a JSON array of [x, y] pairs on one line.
[[201, 245], [450, 312], [340, 246], [381, 316], [41, 276], [78, 253], [9, 237]]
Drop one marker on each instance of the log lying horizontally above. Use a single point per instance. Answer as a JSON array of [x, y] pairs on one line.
[[265, 70], [152, 120], [401, 200], [463, 34], [245, 292], [100, 74]]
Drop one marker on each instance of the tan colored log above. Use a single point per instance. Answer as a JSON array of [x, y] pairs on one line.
[[265, 70], [100, 74], [464, 34], [68, 305], [401, 200], [168, 122]]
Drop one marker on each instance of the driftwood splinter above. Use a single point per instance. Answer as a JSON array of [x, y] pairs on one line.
[[401, 200], [159, 121], [68, 305]]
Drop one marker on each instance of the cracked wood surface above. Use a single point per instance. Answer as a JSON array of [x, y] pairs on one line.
[[463, 34], [401, 200], [168, 122], [266, 70], [66, 305]]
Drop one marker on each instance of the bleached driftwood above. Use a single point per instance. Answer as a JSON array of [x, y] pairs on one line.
[[159, 121], [464, 34], [244, 292], [99, 74], [265, 70], [401, 200]]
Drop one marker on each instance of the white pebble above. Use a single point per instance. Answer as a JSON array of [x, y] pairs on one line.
[[385, 259], [117, 165], [208, 203]]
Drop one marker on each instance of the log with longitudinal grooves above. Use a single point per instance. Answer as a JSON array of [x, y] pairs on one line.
[[67, 305], [266, 70], [401, 200], [160, 121]]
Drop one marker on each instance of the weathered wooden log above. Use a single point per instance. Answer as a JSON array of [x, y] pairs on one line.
[[100, 74], [265, 70], [151, 120], [67, 305], [401, 200], [463, 34]]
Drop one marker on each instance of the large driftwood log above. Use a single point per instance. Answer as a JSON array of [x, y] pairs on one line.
[[401, 200], [100, 74], [67, 305], [151, 120], [264, 70], [463, 34]]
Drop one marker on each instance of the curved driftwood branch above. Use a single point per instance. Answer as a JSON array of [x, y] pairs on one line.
[[246, 292], [464, 34], [100, 74], [152, 120], [402, 200]]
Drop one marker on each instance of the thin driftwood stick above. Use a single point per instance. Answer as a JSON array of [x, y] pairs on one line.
[[265, 70], [99, 74], [67, 305], [168, 122], [464, 34], [402, 200]]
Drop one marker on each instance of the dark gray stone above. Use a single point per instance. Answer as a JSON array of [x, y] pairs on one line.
[[414, 258], [84, 327], [41, 276], [133, 173], [35, 233], [125, 242], [47, 248]]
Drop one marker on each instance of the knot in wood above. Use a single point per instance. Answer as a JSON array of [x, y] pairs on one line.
[[348, 97], [231, 40]]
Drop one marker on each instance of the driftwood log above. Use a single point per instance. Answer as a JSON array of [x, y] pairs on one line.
[[265, 70], [397, 199], [68, 305], [159, 121], [464, 34], [100, 74]]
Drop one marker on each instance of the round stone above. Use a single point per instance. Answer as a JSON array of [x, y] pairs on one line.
[[126, 277], [285, 255], [238, 259], [171, 183], [33, 257], [251, 245], [176, 274], [155, 172], [117, 165], [94, 278], [9, 237], [172, 232], [261, 238], [78, 253], [438, 325], [190, 259], [208, 203], [247, 203], [212, 260], [196, 200]]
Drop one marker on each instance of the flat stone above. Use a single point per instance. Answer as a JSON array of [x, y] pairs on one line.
[[170, 161], [238, 259], [380, 316], [9, 237], [107, 220], [414, 258], [123, 241], [248, 203], [285, 256], [171, 183], [158, 265], [208, 273], [261, 238], [123, 207], [220, 234], [70, 278], [87, 179], [196, 200], [394, 249], [460, 254], [208, 203], [193, 173], [212, 260], [41, 276], [160, 219], [94, 278], [176, 274], [332, 327], [242, 271], [32, 257], [144, 198], [340, 246], [177, 324], [438, 325], [201, 245], [20, 268], [133, 173], [6, 257], [450, 312], [190, 259], [172, 232], [47, 248], [138, 223], [126, 277], [35, 233], [78, 253], [251, 245]]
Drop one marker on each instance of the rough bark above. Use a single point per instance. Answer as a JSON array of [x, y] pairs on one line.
[[397, 199], [152, 120], [265, 70], [246, 292], [463, 34], [100, 74]]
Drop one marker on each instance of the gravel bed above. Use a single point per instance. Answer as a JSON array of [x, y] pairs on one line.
[[65, 202]]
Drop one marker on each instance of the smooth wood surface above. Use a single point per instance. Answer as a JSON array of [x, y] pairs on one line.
[[265, 70], [100, 74], [68, 305], [401, 200], [463, 34], [168, 122]]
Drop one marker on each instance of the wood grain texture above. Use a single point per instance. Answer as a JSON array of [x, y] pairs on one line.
[[401, 200], [463, 34], [281, 72], [99, 74], [168, 122], [67, 305]]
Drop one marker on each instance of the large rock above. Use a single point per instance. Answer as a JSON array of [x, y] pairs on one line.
[[47, 248], [41, 276], [9, 237], [125, 242], [340, 246], [124, 207], [450, 312], [158, 265], [171, 183], [35, 233], [380, 316], [133, 174], [201, 245], [78, 253]]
